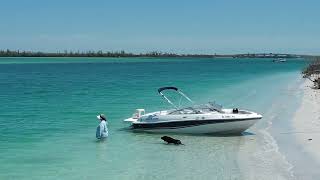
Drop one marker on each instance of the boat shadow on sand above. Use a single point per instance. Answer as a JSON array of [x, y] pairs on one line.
[[155, 138], [131, 130]]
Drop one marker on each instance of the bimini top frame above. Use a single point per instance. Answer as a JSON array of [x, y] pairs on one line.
[[175, 89]]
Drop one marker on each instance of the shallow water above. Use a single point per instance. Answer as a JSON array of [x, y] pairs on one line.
[[49, 108]]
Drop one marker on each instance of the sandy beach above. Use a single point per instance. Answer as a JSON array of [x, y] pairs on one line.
[[306, 122]]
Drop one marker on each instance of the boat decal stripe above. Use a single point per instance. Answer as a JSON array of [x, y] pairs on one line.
[[183, 124]]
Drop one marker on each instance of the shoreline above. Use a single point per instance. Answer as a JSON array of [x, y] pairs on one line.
[[280, 146], [306, 121], [299, 141]]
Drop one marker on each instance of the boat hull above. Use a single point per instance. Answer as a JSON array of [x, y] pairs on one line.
[[235, 126]]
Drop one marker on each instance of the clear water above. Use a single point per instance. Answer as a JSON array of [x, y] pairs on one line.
[[49, 108]]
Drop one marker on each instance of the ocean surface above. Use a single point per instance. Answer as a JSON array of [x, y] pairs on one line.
[[49, 108]]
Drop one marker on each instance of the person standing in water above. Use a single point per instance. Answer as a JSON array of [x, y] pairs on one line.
[[102, 129]]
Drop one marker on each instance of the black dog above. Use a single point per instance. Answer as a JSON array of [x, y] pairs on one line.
[[171, 140]]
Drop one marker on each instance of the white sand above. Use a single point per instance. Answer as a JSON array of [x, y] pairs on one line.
[[306, 122]]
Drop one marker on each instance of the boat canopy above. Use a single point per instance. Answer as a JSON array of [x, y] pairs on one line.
[[172, 88], [165, 88]]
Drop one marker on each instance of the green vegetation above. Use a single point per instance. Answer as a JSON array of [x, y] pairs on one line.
[[11, 53], [312, 72]]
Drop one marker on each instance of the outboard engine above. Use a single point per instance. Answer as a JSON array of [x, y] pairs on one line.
[[138, 113]]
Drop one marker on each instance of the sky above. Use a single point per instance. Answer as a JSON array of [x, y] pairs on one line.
[[180, 26]]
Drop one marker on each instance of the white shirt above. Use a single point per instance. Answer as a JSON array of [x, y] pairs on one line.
[[102, 130]]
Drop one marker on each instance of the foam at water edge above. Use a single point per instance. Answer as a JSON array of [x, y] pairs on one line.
[[264, 155], [274, 147]]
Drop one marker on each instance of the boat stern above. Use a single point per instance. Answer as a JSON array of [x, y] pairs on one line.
[[135, 116]]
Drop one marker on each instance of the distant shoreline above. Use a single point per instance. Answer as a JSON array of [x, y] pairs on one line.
[[140, 57], [154, 54]]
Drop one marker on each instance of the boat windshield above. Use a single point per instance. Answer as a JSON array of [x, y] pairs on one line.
[[199, 109]]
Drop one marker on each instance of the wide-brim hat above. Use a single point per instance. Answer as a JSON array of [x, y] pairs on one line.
[[102, 117]]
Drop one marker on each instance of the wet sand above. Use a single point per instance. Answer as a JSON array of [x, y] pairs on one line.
[[306, 121]]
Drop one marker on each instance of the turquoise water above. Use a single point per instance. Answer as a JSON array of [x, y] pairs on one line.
[[49, 108]]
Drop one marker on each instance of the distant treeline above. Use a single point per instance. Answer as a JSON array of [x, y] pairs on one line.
[[11, 53]]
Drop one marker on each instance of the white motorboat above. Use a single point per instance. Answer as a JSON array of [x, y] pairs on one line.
[[280, 60], [207, 118]]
